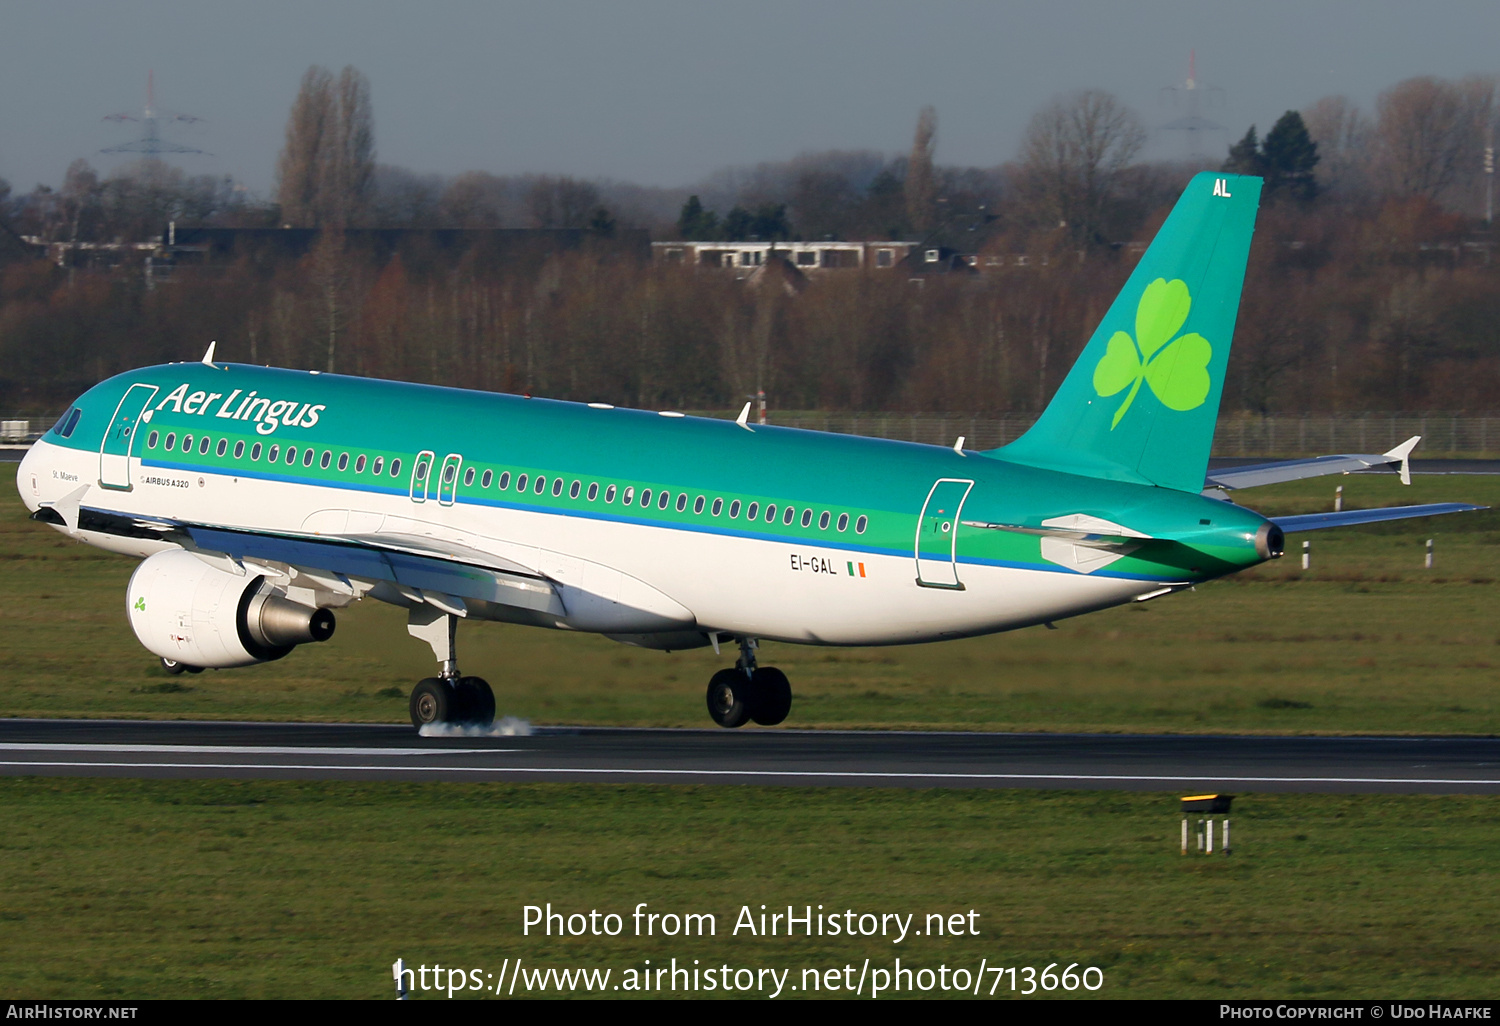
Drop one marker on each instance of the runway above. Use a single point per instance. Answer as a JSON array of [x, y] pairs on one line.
[[185, 750]]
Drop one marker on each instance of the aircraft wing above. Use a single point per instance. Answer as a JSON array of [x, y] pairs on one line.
[[405, 570], [1318, 466], [1349, 517]]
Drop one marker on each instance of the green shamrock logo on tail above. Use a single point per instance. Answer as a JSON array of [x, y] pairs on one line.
[[1177, 371]]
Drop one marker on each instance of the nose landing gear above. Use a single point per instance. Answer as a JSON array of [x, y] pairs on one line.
[[749, 692], [448, 697]]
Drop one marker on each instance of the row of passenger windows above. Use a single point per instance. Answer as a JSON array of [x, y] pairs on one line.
[[663, 499], [274, 453], [629, 495]]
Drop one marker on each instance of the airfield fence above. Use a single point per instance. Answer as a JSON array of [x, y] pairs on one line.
[[1452, 435]]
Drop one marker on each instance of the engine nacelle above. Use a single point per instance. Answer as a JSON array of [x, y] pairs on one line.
[[187, 611]]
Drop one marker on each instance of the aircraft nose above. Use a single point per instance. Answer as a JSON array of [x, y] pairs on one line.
[[29, 479]]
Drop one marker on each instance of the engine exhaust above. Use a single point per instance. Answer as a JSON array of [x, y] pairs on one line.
[[277, 622]]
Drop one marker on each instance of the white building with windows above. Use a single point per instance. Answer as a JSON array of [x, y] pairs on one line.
[[813, 257]]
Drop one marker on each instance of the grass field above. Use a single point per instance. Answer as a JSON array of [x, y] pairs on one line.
[[1367, 641], [230, 889], [120, 888]]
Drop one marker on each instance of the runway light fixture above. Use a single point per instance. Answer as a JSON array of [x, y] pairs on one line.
[[1206, 806]]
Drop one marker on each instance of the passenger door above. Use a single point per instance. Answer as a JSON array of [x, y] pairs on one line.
[[114, 451], [448, 481], [421, 474], [937, 534]]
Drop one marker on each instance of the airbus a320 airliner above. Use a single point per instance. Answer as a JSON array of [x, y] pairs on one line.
[[261, 499]]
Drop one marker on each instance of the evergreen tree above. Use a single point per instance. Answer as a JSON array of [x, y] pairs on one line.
[[1244, 156], [696, 224], [1289, 156]]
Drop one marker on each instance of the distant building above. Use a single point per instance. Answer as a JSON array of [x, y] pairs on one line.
[[807, 257]]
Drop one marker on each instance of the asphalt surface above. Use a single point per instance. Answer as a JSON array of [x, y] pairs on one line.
[[183, 750]]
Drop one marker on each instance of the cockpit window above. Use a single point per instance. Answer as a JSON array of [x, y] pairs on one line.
[[67, 422]]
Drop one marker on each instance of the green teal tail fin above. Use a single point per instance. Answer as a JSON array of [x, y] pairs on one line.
[[1142, 401]]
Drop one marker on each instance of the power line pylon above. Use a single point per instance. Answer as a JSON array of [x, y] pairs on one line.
[[151, 144], [1193, 95]]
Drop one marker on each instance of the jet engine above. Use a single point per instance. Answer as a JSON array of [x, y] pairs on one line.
[[188, 612]]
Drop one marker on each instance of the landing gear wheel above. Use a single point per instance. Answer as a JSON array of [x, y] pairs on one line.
[[729, 693], [476, 702], [772, 696], [432, 701], [193, 669], [172, 666]]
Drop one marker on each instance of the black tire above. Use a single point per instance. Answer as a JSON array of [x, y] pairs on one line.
[[772, 697], [172, 666], [432, 701], [729, 697], [193, 669], [476, 701]]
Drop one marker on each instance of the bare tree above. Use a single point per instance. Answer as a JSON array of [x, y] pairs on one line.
[[921, 184], [327, 168], [299, 171], [1073, 155], [1427, 133], [1343, 137]]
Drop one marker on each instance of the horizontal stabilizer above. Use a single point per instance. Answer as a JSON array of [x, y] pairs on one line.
[[1318, 466], [1349, 517], [1075, 527]]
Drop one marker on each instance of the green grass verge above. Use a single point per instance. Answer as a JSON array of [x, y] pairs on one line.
[[1367, 641], [279, 889]]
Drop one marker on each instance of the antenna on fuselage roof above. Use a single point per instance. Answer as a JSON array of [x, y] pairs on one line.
[[208, 357]]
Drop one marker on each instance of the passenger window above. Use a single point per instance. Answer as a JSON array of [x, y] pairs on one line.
[[449, 473], [573, 491], [291, 455], [843, 522], [541, 484], [806, 517], [187, 443], [468, 477], [681, 502], [359, 464], [664, 500], [823, 521], [343, 462], [734, 509], [646, 497], [151, 440], [203, 446], [593, 490], [378, 465], [698, 504], [557, 486], [861, 524], [770, 512], [239, 450], [396, 467], [223, 444], [718, 507], [484, 482], [629, 494], [790, 515], [609, 494], [171, 441], [255, 452], [753, 511]]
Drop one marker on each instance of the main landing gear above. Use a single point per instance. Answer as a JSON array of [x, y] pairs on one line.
[[448, 697], [749, 692]]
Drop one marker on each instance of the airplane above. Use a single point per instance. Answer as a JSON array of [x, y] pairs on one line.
[[260, 500]]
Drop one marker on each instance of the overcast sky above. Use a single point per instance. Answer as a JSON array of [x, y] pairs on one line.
[[663, 92]]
